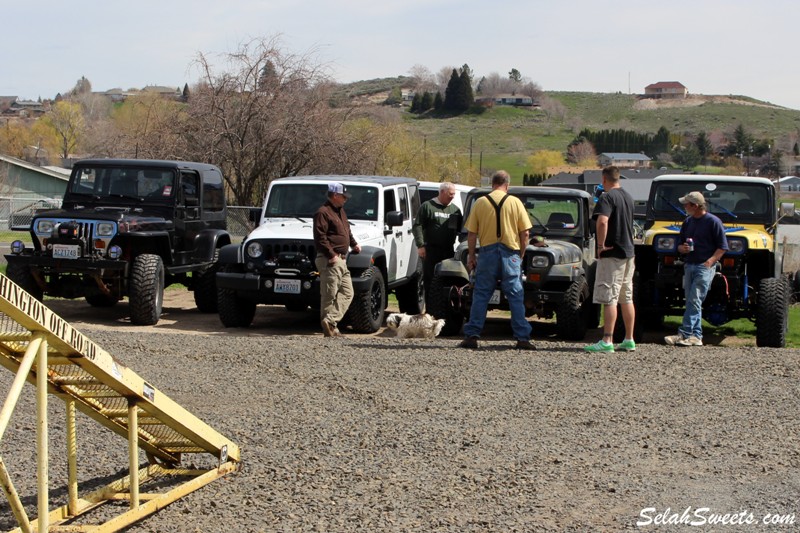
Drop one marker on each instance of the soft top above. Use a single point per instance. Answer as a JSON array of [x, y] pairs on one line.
[[360, 179]]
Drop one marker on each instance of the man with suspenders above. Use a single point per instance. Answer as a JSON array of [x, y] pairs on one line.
[[501, 223]]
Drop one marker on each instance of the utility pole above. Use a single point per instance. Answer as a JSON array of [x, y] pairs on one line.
[[470, 151]]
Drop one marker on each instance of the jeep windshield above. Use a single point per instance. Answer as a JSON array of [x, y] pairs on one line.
[[122, 183], [731, 201], [302, 200], [549, 215]]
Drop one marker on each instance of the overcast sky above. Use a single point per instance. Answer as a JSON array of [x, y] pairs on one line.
[[711, 46]]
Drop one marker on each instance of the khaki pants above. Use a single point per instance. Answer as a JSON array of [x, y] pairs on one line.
[[335, 289]]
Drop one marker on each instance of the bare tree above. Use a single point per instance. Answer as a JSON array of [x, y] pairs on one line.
[[582, 154], [494, 84], [531, 88], [553, 109], [443, 78], [66, 119], [258, 128], [424, 80]]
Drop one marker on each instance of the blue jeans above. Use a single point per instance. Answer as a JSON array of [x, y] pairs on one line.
[[696, 281], [498, 262]]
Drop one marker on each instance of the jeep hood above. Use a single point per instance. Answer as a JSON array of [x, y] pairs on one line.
[[756, 236], [125, 217], [296, 229], [561, 252]]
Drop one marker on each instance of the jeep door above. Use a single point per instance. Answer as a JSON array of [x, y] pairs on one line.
[[188, 222], [402, 259]]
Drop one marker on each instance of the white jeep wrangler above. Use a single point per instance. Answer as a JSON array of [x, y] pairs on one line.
[[275, 262]]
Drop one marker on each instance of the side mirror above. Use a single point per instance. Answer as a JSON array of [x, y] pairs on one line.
[[255, 215], [394, 218], [786, 210]]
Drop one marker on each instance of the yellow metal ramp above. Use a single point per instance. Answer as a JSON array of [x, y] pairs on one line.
[[43, 349]]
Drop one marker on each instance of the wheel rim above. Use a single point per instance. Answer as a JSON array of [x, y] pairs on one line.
[[375, 301]]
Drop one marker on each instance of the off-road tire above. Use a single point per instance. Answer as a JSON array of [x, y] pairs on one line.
[[146, 289], [572, 315], [796, 287], [205, 286], [22, 276], [444, 306], [411, 296], [593, 309], [98, 299], [367, 308], [234, 312], [772, 312]]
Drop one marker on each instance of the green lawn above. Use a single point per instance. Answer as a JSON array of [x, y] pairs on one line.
[[743, 328]]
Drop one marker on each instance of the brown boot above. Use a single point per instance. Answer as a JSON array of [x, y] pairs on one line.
[[525, 345], [328, 329]]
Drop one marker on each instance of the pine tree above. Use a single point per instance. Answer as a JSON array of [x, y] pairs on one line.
[[416, 103], [451, 92], [438, 102], [426, 102], [465, 95]]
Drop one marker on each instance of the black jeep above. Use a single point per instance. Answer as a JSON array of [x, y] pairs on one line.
[[128, 228]]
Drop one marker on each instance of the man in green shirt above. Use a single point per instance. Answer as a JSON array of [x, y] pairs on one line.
[[435, 231]]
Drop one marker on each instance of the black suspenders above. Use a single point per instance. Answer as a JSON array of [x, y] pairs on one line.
[[497, 208]]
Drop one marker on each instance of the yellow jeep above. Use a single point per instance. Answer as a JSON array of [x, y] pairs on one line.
[[749, 281]]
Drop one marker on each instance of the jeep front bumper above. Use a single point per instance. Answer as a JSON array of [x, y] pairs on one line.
[[66, 265], [270, 289]]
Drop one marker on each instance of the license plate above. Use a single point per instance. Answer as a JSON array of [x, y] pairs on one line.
[[66, 251], [287, 286], [495, 299]]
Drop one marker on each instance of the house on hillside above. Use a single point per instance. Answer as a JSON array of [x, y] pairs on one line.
[[13, 106], [789, 184], [666, 89], [505, 99], [174, 93], [624, 160]]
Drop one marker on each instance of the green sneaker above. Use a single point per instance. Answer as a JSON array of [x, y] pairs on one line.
[[599, 346], [626, 346]]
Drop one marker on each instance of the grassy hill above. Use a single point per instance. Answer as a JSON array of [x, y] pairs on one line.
[[504, 137]]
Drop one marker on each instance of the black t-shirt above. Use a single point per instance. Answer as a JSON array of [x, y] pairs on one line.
[[617, 205]]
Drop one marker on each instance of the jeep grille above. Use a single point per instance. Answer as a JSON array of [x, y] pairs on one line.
[[273, 248]]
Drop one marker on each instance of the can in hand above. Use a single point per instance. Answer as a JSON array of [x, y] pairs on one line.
[[690, 244]]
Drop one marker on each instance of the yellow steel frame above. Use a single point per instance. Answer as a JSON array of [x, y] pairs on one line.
[[43, 349]]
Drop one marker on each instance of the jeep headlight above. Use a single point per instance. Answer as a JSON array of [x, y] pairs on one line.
[[540, 261], [666, 243], [105, 229], [736, 246], [44, 226], [254, 249]]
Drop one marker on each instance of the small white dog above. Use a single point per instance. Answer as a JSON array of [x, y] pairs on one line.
[[420, 326]]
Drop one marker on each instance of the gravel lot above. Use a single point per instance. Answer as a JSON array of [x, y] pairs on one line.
[[373, 433]]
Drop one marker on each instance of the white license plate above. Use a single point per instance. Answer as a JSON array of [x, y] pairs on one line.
[[287, 286], [495, 299], [66, 251]]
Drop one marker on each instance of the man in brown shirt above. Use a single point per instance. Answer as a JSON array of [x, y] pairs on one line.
[[332, 240]]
